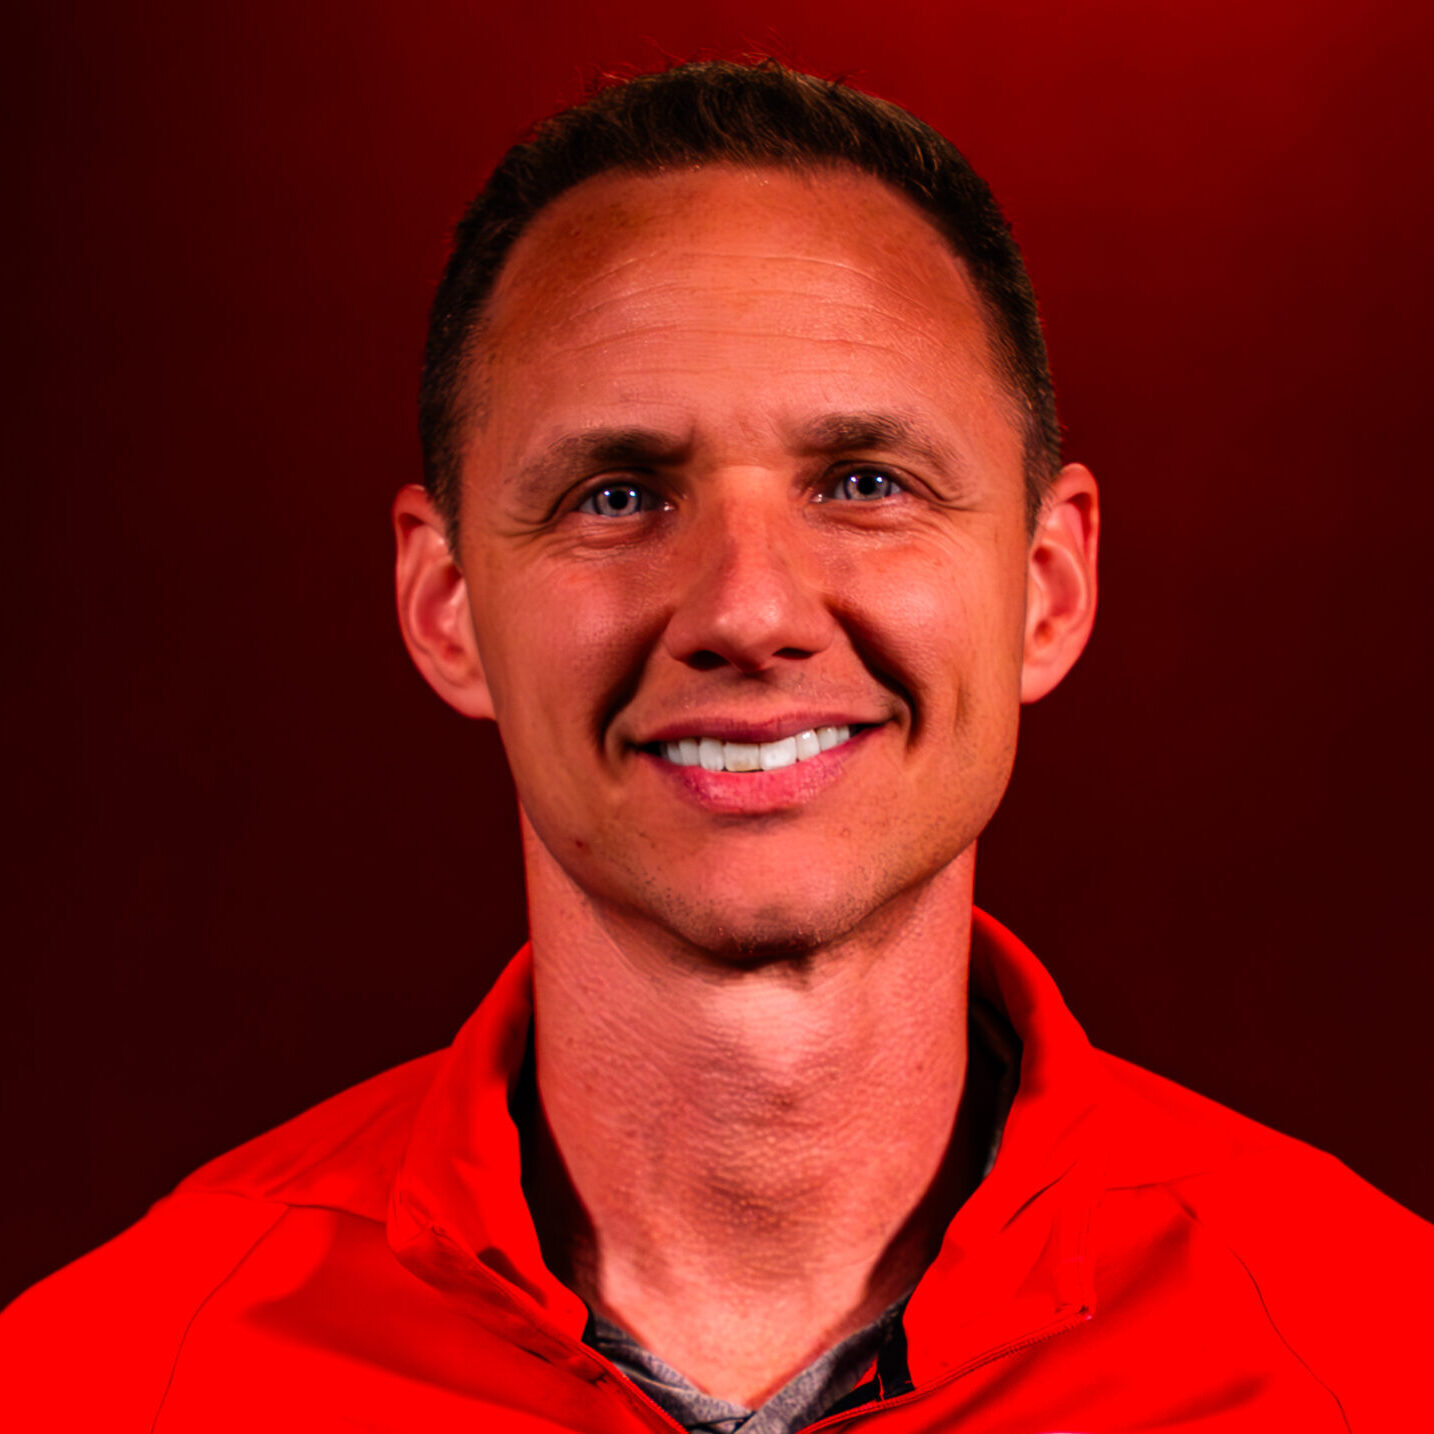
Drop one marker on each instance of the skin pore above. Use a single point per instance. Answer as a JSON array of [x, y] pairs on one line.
[[747, 470]]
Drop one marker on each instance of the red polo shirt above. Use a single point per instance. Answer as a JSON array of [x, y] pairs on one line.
[[1139, 1258]]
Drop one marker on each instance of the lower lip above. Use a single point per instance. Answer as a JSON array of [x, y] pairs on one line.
[[753, 793]]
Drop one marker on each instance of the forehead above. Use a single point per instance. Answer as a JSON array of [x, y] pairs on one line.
[[764, 285]]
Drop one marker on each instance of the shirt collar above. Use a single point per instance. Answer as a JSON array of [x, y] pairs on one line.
[[1014, 1262]]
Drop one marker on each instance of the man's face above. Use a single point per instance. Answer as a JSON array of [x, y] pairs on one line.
[[745, 471]]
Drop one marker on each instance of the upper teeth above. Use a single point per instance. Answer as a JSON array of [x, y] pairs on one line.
[[717, 756]]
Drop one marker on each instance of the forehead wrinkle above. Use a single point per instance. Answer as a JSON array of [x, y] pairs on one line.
[[656, 313], [582, 346], [865, 277], [685, 284], [858, 334]]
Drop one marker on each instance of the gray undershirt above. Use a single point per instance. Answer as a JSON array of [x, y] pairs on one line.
[[801, 1401]]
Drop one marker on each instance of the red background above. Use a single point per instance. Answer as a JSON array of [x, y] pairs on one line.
[[258, 861]]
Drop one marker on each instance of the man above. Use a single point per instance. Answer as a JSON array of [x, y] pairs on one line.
[[746, 522]]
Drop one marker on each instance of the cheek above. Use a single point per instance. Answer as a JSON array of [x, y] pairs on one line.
[[565, 645], [945, 621]]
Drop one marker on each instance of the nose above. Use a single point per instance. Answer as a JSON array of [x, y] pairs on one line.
[[751, 585]]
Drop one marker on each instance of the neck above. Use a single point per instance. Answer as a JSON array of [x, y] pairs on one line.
[[762, 1155]]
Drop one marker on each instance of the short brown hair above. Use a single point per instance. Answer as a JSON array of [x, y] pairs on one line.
[[723, 112]]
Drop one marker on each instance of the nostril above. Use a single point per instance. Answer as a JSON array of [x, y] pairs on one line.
[[706, 660]]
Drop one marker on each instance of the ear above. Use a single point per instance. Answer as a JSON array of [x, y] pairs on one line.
[[1060, 581], [433, 606]]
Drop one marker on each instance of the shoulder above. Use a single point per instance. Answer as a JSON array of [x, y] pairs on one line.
[[1232, 1171], [1336, 1268], [98, 1340], [341, 1154]]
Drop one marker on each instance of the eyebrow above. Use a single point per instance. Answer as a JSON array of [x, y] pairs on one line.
[[599, 448], [854, 432]]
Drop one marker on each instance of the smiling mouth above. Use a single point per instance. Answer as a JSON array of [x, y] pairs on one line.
[[714, 755]]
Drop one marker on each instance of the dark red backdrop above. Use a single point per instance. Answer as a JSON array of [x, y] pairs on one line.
[[258, 861]]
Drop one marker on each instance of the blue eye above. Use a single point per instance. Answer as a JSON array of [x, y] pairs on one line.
[[619, 500], [865, 485]]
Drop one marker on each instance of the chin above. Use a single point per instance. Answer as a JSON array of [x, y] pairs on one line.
[[762, 938], [758, 928]]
